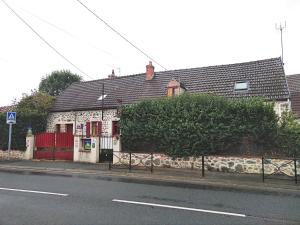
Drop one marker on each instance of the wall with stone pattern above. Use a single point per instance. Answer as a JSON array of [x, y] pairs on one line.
[[14, 154], [212, 163], [79, 119]]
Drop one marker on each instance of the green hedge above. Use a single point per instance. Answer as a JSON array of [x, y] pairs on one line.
[[288, 136], [195, 124], [37, 121]]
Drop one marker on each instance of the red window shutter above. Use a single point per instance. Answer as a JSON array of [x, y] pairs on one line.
[[88, 129], [115, 128], [99, 128]]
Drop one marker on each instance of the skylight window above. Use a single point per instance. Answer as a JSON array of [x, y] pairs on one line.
[[241, 86], [102, 97]]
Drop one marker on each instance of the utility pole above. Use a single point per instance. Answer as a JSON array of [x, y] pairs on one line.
[[103, 93], [281, 28]]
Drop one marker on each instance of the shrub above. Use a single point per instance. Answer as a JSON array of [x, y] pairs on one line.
[[192, 124], [32, 111], [288, 137]]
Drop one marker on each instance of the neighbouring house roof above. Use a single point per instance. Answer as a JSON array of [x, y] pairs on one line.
[[6, 108], [294, 87], [265, 79]]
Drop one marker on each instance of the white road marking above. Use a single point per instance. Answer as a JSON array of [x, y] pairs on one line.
[[31, 191], [178, 207]]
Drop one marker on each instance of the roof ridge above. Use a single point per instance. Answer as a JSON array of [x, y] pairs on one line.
[[230, 64], [117, 77], [192, 68], [293, 75]]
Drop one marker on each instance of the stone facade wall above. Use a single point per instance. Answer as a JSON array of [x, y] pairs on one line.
[[212, 163], [79, 119], [282, 106], [14, 154]]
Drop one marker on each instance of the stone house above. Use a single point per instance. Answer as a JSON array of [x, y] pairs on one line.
[[90, 109]]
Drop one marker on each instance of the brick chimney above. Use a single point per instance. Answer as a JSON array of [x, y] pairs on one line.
[[112, 75], [149, 71]]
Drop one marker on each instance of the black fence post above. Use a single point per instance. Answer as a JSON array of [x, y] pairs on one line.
[[263, 169], [151, 162], [295, 164], [130, 161], [202, 165]]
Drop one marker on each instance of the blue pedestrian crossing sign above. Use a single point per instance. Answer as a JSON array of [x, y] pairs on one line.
[[11, 117]]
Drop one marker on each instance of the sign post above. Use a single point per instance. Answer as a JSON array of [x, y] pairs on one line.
[[11, 118], [9, 138]]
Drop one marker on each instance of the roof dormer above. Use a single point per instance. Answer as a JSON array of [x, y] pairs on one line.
[[175, 88]]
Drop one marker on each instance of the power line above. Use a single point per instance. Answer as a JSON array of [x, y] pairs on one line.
[[44, 40], [118, 33], [67, 33]]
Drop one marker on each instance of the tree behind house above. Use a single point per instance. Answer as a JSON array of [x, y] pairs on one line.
[[55, 83], [32, 111]]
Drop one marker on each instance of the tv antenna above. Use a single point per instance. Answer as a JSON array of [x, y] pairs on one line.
[[281, 27]]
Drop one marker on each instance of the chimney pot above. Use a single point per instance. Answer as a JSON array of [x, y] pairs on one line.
[[112, 75], [149, 71]]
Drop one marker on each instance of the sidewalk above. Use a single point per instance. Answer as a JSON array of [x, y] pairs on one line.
[[165, 176]]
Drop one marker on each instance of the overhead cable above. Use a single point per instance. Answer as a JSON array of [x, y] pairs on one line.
[[44, 40], [118, 33]]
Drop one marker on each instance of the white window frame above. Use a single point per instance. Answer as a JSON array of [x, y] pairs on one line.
[[241, 86]]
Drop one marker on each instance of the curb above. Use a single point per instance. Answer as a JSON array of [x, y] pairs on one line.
[[162, 180]]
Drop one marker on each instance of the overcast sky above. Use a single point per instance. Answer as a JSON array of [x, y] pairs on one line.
[[177, 34]]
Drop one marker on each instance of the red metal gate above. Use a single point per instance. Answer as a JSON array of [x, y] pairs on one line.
[[54, 146]]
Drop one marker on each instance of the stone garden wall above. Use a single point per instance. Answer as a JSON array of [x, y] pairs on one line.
[[14, 154], [212, 163]]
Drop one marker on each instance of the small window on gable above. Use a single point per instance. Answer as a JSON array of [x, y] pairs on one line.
[[102, 97], [171, 92], [241, 86]]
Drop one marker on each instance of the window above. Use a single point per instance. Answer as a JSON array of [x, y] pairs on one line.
[[171, 92], [69, 128], [96, 128], [57, 128], [241, 86], [102, 97], [115, 128]]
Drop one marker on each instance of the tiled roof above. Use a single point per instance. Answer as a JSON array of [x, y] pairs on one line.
[[293, 82], [294, 87], [266, 79], [6, 108]]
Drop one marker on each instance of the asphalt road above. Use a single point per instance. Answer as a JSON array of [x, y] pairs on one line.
[[27, 198]]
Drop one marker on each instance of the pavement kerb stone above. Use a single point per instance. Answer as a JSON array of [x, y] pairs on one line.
[[203, 183]]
